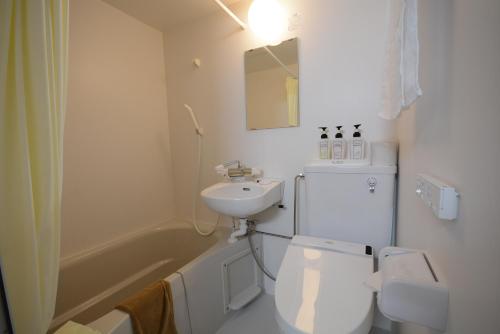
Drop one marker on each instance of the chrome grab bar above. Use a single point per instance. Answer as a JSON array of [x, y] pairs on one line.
[[295, 201]]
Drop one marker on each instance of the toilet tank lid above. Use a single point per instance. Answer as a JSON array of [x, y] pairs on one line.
[[327, 166]]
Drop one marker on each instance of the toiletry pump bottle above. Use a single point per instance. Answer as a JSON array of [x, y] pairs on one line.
[[357, 144], [324, 144], [338, 145]]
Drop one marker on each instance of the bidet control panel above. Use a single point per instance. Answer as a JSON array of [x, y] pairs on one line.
[[440, 197]]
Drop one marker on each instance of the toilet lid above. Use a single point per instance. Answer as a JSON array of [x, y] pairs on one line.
[[319, 288]]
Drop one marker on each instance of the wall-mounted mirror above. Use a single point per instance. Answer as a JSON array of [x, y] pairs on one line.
[[272, 86]]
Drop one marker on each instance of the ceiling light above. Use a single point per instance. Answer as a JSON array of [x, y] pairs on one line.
[[267, 19]]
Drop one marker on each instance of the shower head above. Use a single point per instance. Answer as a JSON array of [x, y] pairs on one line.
[[197, 127]]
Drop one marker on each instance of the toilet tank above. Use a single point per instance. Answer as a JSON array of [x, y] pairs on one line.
[[349, 203]]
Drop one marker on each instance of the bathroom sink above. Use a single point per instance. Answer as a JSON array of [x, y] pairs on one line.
[[243, 199]]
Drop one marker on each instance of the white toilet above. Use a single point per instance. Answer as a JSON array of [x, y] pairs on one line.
[[320, 285]]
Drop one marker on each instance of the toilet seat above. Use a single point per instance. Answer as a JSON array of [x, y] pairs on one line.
[[319, 288]]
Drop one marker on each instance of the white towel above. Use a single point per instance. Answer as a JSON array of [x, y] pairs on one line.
[[400, 86]]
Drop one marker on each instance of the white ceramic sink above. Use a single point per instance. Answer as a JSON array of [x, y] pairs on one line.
[[243, 199]]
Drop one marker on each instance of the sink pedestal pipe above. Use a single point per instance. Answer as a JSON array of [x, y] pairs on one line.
[[241, 231]]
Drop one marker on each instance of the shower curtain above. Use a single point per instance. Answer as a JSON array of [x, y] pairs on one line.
[[33, 68], [292, 95]]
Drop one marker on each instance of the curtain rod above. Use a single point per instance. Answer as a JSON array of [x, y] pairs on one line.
[[231, 14]]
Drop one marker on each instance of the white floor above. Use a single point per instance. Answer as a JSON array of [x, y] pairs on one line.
[[258, 317]]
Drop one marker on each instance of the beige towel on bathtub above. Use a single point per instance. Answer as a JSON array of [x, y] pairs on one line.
[[151, 310]]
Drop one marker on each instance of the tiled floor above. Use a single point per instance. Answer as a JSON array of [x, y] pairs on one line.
[[258, 317]]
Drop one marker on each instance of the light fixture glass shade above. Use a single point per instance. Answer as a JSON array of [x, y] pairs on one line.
[[267, 20]]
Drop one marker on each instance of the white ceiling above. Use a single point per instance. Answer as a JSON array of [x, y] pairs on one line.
[[164, 14]]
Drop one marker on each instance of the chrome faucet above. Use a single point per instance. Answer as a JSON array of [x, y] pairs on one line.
[[236, 172], [239, 171]]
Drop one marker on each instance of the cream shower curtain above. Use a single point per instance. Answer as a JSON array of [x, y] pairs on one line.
[[33, 68], [292, 95]]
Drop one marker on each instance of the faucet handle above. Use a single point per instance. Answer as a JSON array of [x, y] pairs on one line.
[[224, 170], [256, 172], [221, 170]]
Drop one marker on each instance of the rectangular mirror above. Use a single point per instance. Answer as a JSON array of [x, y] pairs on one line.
[[272, 86]]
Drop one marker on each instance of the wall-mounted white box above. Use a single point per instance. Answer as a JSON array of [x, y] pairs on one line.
[[440, 197]]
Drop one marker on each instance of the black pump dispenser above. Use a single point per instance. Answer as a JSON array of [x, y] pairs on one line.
[[357, 132], [339, 131], [324, 130]]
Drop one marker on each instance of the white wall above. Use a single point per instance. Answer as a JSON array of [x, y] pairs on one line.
[[117, 163], [453, 133], [340, 61]]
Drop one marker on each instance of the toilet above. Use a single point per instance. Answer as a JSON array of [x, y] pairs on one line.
[[320, 286]]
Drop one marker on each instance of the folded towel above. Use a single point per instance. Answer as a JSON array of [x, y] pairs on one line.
[[400, 87], [151, 310], [73, 328]]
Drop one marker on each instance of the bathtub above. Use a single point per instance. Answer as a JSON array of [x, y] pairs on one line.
[[92, 283]]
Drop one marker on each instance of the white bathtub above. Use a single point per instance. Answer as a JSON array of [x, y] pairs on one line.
[[92, 283]]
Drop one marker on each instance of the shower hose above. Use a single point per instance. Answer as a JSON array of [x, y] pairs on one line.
[[195, 194]]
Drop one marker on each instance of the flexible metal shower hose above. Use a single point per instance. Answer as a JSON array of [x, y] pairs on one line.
[[258, 260]]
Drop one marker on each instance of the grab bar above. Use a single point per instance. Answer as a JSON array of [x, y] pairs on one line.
[[295, 200], [295, 208]]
